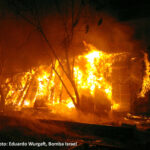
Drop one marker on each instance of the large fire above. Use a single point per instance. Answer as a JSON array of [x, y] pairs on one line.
[[92, 73]]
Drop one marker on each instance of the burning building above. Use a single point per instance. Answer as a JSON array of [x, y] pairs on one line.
[[103, 81], [71, 57], [75, 67]]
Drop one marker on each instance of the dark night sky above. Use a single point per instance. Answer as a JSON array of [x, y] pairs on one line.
[[124, 9]]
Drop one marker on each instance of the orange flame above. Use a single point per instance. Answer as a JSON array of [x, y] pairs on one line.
[[146, 79]]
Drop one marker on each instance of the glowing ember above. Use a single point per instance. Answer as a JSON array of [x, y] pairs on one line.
[[70, 105], [115, 106], [26, 103]]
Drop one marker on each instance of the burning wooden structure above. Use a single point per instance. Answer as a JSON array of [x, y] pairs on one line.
[[104, 81]]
